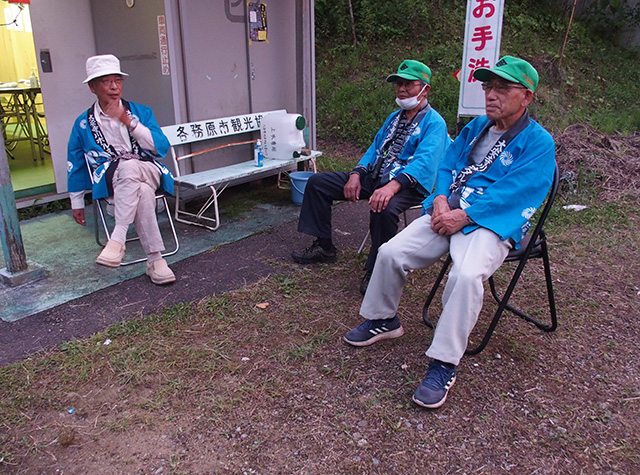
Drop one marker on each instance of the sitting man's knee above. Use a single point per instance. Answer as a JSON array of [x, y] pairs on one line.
[[466, 275], [388, 213], [316, 179], [388, 218], [386, 254]]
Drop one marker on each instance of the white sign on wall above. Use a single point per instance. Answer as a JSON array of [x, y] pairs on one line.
[[164, 45], [482, 35], [209, 129]]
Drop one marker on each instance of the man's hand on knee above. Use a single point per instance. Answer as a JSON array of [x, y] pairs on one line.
[[381, 197], [440, 206], [450, 222], [352, 189]]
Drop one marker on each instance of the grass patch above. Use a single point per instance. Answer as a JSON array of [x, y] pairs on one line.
[[275, 386]]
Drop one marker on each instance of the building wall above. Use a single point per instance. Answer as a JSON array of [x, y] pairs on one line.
[[226, 74], [214, 71], [65, 28], [132, 35]]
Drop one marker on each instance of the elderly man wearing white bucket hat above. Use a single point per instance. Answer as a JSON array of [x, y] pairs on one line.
[[122, 142]]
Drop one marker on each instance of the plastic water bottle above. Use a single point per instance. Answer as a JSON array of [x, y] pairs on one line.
[[33, 79], [257, 154]]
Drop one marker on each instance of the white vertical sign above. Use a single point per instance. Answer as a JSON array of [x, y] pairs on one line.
[[482, 34]]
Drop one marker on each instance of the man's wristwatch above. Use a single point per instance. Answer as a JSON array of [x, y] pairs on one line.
[[133, 124]]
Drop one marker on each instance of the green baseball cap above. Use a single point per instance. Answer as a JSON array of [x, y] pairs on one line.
[[413, 71], [512, 69]]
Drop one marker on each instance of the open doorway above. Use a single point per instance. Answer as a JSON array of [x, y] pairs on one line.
[[24, 127]]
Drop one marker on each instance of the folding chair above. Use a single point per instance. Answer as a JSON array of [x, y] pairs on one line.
[[100, 214], [533, 245]]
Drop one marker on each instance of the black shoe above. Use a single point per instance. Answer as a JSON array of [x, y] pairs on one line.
[[433, 391], [364, 284], [315, 253]]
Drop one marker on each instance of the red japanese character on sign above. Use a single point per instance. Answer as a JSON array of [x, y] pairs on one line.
[[482, 5], [475, 64], [482, 34]]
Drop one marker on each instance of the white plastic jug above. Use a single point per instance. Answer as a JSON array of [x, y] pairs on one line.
[[281, 135]]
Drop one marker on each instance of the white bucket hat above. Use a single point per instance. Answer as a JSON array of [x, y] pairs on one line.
[[102, 65]]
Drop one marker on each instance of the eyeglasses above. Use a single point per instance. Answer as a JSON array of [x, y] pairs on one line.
[[406, 84], [500, 87], [108, 82]]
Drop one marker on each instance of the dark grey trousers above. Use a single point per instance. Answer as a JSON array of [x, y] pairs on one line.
[[323, 188]]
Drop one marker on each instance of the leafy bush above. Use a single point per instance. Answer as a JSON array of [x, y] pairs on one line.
[[595, 81]]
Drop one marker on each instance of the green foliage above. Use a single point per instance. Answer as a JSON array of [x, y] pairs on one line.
[[353, 98], [380, 21], [37, 209], [611, 16]]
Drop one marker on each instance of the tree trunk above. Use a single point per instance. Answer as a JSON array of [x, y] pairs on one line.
[[353, 24]]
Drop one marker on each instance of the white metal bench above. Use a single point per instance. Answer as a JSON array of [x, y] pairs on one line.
[[217, 179]]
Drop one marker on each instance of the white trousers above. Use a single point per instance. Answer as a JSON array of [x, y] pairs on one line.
[[134, 199], [476, 256]]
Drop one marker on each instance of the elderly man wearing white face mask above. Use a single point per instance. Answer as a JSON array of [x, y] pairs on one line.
[[395, 173]]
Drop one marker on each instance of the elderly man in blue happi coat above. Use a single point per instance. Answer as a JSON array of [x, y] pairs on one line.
[[490, 182], [121, 141], [396, 172]]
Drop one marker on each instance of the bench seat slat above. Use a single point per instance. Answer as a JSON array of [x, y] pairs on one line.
[[237, 171], [217, 176]]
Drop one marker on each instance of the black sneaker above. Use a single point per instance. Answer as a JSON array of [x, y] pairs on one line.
[[432, 392], [371, 331], [365, 282], [315, 253]]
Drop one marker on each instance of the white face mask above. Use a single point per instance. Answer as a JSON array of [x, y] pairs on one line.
[[410, 102]]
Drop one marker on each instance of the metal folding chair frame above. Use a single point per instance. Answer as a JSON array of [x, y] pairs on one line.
[[532, 246], [98, 213]]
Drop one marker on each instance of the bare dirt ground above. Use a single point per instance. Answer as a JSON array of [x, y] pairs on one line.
[[257, 379]]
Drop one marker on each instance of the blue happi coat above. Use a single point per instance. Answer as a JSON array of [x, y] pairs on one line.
[[82, 144], [508, 193], [421, 153]]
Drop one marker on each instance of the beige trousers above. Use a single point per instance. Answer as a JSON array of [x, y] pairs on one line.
[[134, 198], [476, 256]]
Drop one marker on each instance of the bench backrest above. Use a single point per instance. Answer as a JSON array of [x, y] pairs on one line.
[[190, 132], [210, 129]]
